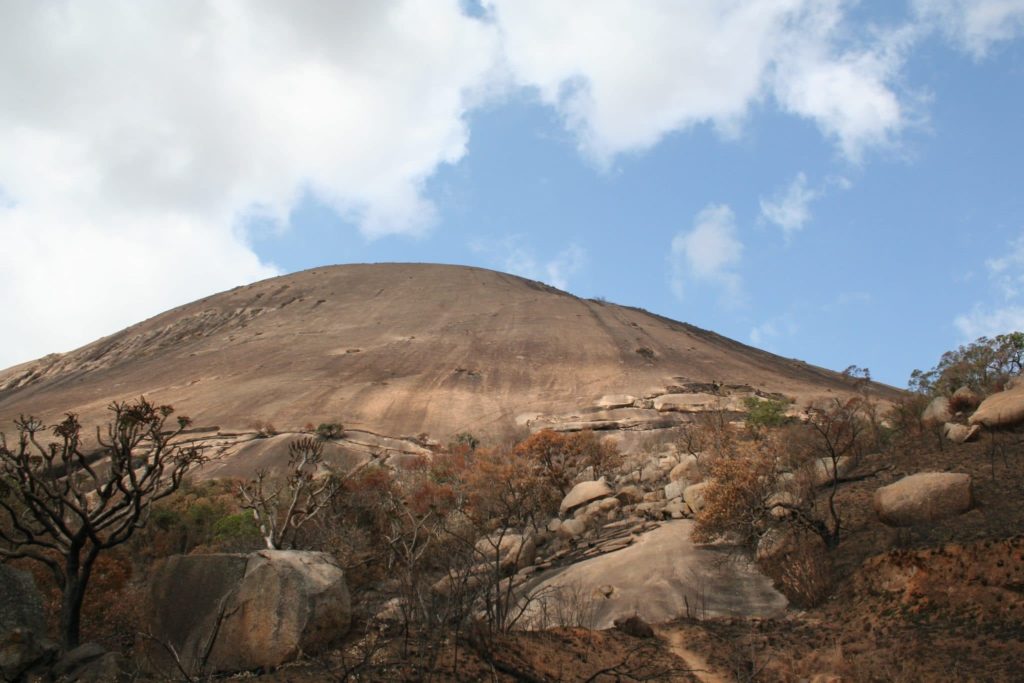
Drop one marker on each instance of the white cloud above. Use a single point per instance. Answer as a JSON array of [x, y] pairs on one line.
[[975, 25], [982, 322], [790, 209], [624, 75], [512, 256], [1006, 276], [137, 137], [709, 253]]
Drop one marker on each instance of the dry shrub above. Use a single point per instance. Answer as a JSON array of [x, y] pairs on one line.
[[804, 573], [560, 457], [740, 485]]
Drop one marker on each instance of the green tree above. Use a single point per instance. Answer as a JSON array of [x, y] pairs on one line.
[[985, 365]]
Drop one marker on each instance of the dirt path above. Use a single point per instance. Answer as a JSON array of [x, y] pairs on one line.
[[697, 664]]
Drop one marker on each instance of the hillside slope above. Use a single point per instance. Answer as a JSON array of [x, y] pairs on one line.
[[395, 349]]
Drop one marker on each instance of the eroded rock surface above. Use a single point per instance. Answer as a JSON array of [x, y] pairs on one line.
[[658, 575]]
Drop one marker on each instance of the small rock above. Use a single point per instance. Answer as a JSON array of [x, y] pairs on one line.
[[958, 433]]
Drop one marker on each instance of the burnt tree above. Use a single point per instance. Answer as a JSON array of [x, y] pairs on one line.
[[62, 504]]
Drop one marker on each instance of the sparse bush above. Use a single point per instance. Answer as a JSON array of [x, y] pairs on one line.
[[330, 430], [646, 353], [464, 439], [264, 429], [764, 413]]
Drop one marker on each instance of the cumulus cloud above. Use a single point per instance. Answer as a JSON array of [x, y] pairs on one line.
[[1006, 277], [709, 253], [790, 209], [624, 75], [140, 137], [975, 25]]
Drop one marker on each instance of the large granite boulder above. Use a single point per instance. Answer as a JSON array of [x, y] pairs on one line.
[[924, 497], [228, 613], [584, 492], [965, 398], [1001, 409]]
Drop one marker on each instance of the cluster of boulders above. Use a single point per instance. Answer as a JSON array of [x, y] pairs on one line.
[[964, 414]]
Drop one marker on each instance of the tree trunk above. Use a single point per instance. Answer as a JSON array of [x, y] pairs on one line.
[[71, 604], [76, 578]]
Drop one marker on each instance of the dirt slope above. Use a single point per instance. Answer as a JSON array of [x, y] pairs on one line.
[[394, 349]]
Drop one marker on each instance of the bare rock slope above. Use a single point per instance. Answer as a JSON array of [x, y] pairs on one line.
[[398, 349]]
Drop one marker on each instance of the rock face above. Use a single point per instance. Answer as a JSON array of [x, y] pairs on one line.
[[393, 349], [584, 492], [1001, 409], [228, 613], [924, 497]]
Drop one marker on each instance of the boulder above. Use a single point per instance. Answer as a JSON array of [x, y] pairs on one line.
[[571, 528], [228, 613], [90, 663], [510, 550], [1001, 409], [688, 469], [958, 433], [938, 411], [694, 496], [583, 493], [674, 489], [924, 497]]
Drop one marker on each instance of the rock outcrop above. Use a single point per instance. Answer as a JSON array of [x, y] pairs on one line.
[[924, 497], [228, 613], [1002, 409]]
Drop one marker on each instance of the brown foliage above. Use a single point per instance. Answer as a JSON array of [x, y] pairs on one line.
[[560, 457]]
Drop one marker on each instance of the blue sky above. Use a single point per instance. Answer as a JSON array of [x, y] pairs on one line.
[[832, 181]]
